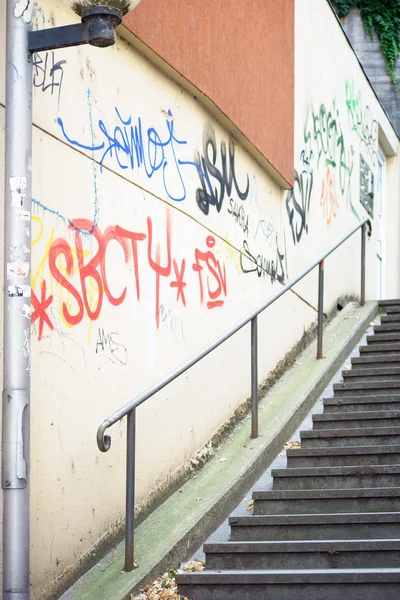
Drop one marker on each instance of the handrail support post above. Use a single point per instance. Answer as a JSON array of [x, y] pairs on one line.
[[130, 492], [362, 295], [320, 309], [254, 377]]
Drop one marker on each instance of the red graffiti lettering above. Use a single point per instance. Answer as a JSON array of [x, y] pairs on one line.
[[134, 239], [159, 270], [87, 277], [61, 247], [110, 234], [179, 284], [90, 269], [214, 268], [40, 307]]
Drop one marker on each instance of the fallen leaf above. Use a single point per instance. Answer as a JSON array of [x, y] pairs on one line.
[[292, 444]]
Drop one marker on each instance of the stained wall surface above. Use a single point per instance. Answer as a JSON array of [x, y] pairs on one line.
[[153, 232]]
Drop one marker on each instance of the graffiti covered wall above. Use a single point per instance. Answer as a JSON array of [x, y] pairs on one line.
[[339, 128], [152, 232]]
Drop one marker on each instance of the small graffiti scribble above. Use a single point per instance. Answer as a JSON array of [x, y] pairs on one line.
[[328, 200]]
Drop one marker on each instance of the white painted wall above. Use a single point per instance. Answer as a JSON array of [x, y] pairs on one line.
[[338, 119], [89, 359]]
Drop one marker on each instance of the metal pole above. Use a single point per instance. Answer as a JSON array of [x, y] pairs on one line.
[[254, 378], [320, 309], [130, 491], [363, 229], [17, 305]]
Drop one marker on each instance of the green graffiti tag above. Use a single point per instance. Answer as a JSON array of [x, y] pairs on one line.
[[324, 137]]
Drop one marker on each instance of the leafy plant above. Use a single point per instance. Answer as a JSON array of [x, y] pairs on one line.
[[383, 17]]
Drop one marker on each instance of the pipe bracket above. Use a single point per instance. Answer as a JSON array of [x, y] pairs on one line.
[[13, 464]]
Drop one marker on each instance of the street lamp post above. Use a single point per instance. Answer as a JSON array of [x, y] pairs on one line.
[[99, 18]]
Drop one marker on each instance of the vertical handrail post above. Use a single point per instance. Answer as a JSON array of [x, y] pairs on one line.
[[130, 492], [362, 296], [320, 309], [254, 378]]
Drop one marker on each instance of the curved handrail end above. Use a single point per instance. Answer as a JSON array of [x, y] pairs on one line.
[[103, 440]]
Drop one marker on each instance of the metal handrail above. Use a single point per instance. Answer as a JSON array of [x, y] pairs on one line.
[[129, 409]]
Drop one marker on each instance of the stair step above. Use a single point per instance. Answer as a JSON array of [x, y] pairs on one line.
[[345, 404], [387, 327], [387, 418], [332, 519], [380, 349], [374, 436], [332, 554], [390, 302], [334, 526], [346, 457], [371, 374], [367, 500], [375, 360], [382, 338], [353, 388], [356, 584], [331, 478], [392, 310], [390, 318]]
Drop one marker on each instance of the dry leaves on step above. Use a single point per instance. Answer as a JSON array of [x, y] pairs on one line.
[[165, 588], [192, 565], [292, 444]]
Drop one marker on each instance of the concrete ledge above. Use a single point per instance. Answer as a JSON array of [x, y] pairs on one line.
[[178, 527]]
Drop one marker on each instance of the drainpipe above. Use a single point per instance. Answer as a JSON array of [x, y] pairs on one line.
[[17, 303]]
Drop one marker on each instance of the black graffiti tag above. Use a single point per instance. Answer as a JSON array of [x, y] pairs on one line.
[[298, 204], [217, 181]]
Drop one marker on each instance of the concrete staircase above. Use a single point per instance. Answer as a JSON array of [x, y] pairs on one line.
[[331, 524]]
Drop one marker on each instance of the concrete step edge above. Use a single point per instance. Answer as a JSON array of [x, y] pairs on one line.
[[328, 494], [336, 471], [357, 416], [389, 302], [379, 358], [375, 371], [344, 451], [314, 519], [370, 385], [355, 432], [361, 400], [384, 337], [232, 577], [302, 546]]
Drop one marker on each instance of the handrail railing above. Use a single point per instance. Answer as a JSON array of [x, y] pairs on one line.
[[129, 409]]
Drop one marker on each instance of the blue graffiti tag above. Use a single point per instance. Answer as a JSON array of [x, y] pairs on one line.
[[131, 149]]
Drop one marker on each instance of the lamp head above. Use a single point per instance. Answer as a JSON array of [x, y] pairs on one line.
[[101, 17]]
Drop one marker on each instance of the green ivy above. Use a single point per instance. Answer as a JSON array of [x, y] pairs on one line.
[[383, 17]]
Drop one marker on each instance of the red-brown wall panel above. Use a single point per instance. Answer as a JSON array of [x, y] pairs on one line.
[[240, 54]]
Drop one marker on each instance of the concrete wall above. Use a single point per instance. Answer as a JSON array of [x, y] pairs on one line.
[[370, 55], [152, 233]]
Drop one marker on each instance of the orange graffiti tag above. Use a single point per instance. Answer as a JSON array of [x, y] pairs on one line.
[[329, 201]]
